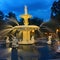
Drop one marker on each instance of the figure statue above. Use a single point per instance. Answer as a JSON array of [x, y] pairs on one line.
[[14, 42], [32, 39], [7, 40], [49, 39]]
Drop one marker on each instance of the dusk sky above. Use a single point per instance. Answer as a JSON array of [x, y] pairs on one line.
[[37, 8]]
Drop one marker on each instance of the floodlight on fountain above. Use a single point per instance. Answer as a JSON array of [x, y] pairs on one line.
[[32, 30]]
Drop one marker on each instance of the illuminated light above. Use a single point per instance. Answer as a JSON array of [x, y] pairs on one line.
[[50, 33], [45, 33], [32, 30], [57, 30], [9, 49]]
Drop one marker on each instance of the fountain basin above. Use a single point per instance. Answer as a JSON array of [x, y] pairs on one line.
[[23, 27], [26, 42], [27, 38]]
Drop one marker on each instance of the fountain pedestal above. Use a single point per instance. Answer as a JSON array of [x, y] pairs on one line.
[[26, 36]]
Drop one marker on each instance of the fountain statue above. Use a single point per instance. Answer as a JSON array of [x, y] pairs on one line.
[[27, 29], [14, 42]]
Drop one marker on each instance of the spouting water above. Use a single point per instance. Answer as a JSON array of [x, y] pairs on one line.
[[41, 34]]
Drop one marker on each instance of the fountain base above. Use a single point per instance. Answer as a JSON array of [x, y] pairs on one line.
[[26, 42]]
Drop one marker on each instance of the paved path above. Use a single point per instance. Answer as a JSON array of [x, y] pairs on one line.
[[26, 53], [5, 53]]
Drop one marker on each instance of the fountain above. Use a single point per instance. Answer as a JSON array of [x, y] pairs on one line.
[[27, 29], [25, 34]]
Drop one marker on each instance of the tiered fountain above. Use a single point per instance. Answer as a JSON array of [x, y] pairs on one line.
[[25, 32], [27, 29]]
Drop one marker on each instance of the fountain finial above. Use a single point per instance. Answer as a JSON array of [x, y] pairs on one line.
[[25, 8], [26, 16]]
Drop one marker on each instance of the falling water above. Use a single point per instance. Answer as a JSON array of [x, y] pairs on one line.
[[5, 31], [40, 33], [14, 21]]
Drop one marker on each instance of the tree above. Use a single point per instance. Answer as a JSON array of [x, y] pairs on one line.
[[21, 21], [1, 19], [35, 21], [1, 15], [11, 15], [32, 21], [55, 11], [51, 26]]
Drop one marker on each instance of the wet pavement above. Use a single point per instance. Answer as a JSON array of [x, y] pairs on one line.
[[5, 53], [28, 52]]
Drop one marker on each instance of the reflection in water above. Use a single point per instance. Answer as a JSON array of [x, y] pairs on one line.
[[28, 52], [14, 54], [45, 53], [5, 53]]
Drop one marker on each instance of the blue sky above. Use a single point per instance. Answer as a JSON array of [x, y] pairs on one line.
[[37, 8]]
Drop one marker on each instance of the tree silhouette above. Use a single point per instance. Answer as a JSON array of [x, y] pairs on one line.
[[35, 21], [32, 21], [51, 25], [21, 21], [1, 15], [55, 11], [11, 16], [1, 19]]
